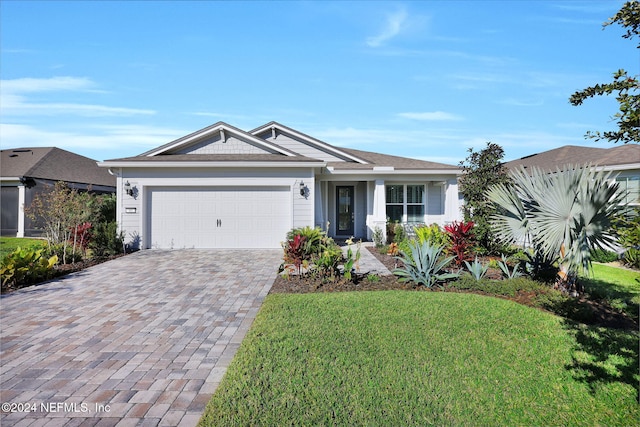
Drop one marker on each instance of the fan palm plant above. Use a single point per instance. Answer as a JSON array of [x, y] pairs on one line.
[[562, 215]]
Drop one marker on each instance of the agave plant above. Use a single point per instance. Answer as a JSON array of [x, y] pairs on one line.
[[477, 269], [563, 215], [509, 274], [423, 265]]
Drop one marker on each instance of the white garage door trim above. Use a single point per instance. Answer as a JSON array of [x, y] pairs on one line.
[[217, 216]]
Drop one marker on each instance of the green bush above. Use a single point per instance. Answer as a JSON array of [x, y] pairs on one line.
[[399, 234], [508, 288], [327, 261], [432, 234], [59, 251], [106, 240], [604, 256], [378, 237], [313, 238], [25, 267], [631, 257]]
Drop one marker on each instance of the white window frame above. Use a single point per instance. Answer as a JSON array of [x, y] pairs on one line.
[[405, 203]]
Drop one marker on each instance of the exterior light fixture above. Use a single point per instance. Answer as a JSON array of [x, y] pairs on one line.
[[304, 190], [128, 189]]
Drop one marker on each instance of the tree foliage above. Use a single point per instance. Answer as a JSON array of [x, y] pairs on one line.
[[481, 170], [60, 211], [562, 215], [625, 86]]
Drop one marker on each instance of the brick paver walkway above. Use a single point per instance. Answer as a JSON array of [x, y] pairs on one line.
[[140, 340]]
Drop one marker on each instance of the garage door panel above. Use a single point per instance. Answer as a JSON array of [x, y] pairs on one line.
[[218, 217]]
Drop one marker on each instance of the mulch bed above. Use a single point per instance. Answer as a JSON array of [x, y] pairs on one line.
[[597, 313]]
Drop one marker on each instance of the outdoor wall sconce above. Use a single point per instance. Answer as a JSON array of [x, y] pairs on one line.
[[304, 191], [128, 189]]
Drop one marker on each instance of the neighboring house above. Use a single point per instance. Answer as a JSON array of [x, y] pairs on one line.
[[25, 172], [623, 160], [222, 187]]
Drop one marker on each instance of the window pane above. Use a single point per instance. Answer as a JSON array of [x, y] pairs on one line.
[[415, 213], [633, 185], [395, 193], [394, 213], [415, 193]]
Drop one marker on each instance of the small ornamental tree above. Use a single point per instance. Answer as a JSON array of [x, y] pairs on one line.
[[481, 170], [62, 212]]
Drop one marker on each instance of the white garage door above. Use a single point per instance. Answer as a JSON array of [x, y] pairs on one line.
[[218, 217]]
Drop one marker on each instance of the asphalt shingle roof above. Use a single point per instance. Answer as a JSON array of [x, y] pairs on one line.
[[575, 155], [53, 164]]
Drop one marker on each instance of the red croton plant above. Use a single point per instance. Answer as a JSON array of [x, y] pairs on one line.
[[462, 240]]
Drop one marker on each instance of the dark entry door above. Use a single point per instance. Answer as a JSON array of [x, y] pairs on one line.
[[344, 207]]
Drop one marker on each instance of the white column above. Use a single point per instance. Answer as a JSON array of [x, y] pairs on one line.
[[318, 199], [451, 206], [21, 199], [379, 217]]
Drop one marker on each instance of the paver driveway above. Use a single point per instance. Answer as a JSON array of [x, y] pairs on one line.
[[141, 340]]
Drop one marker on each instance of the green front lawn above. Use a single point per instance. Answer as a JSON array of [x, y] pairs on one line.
[[10, 244], [424, 358], [619, 286]]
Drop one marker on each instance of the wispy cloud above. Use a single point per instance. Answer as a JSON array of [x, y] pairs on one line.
[[15, 98], [430, 116], [131, 138], [393, 26], [52, 84]]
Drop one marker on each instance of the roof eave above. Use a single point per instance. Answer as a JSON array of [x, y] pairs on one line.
[[333, 171], [208, 164]]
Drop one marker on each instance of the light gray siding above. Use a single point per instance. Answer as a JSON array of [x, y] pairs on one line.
[[215, 145], [299, 147]]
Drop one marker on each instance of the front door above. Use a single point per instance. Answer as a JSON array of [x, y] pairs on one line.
[[344, 206]]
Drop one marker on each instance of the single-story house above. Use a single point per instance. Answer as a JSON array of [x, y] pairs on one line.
[[622, 160], [222, 187], [25, 172]]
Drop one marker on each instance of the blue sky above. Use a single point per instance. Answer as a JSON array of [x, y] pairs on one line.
[[426, 79]]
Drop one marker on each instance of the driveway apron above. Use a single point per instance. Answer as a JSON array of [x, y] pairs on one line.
[[140, 340]]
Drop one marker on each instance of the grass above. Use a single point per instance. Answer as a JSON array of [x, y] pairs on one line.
[[424, 358], [619, 286], [10, 244]]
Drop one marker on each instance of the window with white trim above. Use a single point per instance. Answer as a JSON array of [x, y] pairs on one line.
[[630, 184], [405, 203]]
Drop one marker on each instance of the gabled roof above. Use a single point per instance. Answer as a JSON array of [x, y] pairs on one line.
[[274, 155], [54, 164], [222, 128], [622, 157], [321, 145]]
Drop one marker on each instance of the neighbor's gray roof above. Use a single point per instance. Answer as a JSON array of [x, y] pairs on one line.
[[575, 155], [53, 164]]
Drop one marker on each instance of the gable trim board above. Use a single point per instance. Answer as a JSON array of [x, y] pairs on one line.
[[190, 193]]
